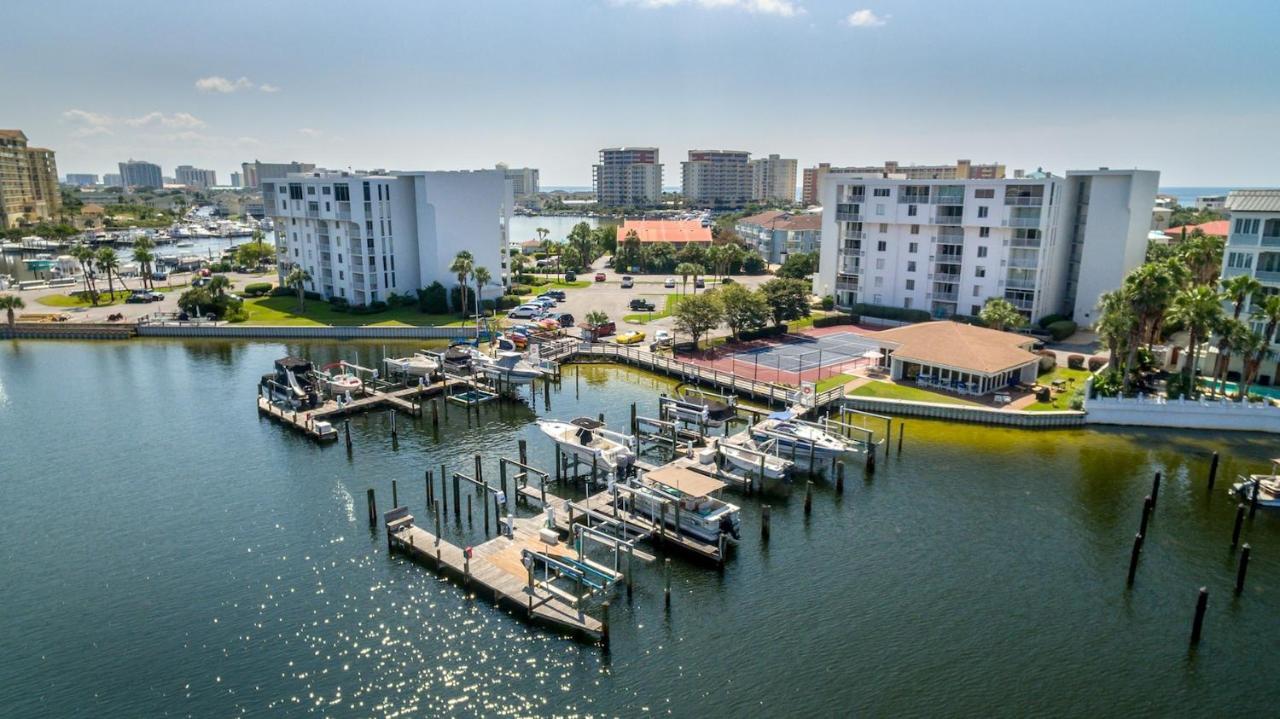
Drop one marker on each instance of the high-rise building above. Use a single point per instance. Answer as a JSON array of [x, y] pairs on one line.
[[717, 179], [195, 177], [257, 171], [29, 190], [524, 180], [962, 170], [363, 236], [236, 179], [773, 179], [112, 180], [810, 183], [628, 177], [81, 179], [1049, 245], [140, 173]]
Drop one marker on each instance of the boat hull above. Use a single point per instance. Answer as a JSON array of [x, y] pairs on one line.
[[693, 524]]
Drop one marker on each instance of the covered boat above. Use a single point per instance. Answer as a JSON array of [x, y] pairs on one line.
[[1265, 486], [589, 440], [701, 515], [419, 365], [699, 408], [509, 368], [800, 439], [748, 457], [292, 383]]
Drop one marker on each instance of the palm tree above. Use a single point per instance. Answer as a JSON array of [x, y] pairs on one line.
[[1197, 310], [218, 285], [297, 279], [1239, 290], [9, 303], [1149, 289], [716, 258], [462, 265], [1000, 314], [143, 255], [1252, 347], [1116, 322], [84, 255], [569, 258], [1265, 308], [482, 277], [109, 263], [518, 263], [684, 269], [1202, 255]]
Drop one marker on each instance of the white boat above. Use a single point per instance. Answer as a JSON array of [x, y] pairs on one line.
[[805, 439], [696, 407], [341, 384], [745, 455], [419, 365], [588, 440], [509, 368], [1266, 486], [701, 515]]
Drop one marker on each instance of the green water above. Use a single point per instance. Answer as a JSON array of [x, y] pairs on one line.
[[168, 552]]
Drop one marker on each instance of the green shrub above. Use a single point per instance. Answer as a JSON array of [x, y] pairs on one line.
[[433, 300], [339, 304], [828, 303], [1061, 329], [1048, 361], [257, 289], [1096, 363], [832, 321], [283, 291], [1108, 384], [526, 278], [1075, 361], [507, 302], [1050, 319], [884, 312], [762, 332], [521, 290], [969, 320]]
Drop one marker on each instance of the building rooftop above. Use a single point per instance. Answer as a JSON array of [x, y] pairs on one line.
[[955, 345], [678, 231], [1254, 201], [1217, 228], [780, 220]]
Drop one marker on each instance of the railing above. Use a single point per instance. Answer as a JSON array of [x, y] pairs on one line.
[[848, 216], [850, 268], [1018, 284], [949, 200], [947, 220], [913, 199], [946, 296], [1021, 222], [1264, 276], [1271, 240], [945, 277], [1024, 201], [1023, 242], [1025, 264], [854, 235]]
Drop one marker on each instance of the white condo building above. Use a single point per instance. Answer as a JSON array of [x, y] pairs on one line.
[[1050, 245], [362, 236], [718, 179], [524, 180], [773, 179], [628, 177]]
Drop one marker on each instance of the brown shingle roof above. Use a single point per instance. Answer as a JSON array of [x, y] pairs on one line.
[[680, 231], [780, 220], [958, 346]]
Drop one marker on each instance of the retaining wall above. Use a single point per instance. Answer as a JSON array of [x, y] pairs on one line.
[[963, 413], [250, 331], [67, 331], [1183, 413]]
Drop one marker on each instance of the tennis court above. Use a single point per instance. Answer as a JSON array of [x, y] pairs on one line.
[[801, 353]]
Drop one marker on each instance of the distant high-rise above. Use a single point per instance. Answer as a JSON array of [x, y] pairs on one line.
[[812, 179], [140, 173], [81, 179], [773, 179], [236, 179], [524, 180], [628, 177], [717, 179], [195, 177], [111, 179], [257, 171], [28, 181]]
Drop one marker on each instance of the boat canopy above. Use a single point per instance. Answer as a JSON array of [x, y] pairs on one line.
[[685, 481], [782, 416], [587, 423]]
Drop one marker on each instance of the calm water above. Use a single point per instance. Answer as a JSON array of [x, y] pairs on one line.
[[167, 552], [526, 228]]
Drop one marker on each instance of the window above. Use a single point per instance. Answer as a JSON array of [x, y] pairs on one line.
[[974, 310], [879, 263], [366, 192], [984, 194], [326, 204], [326, 190], [339, 259], [881, 246], [295, 252], [341, 276], [880, 192], [913, 247], [977, 290], [911, 284], [877, 299], [1247, 227], [915, 229], [979, 271], [879, 209], [982, 250], [368, 227], [342, 290], [311, 189], [879, 281], [884, 227], [1242, 260], [912, 210], [295, 191], [982, 211], [342, 193], [911, 267], [984, 232], [906, 303]]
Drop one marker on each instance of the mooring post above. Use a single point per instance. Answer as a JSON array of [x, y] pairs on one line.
[[479, 470], [662, 521], [1202, 602], [720, 545], [1146, 515], [666, 585], [808, 497], [1253, 498], [902, 429], [1133, 558], [524, 454], [871, 458], [1155, 491], [604, 623], [444, 492], [346, 431], [559, 476], [457, 498], [633, 418], [1213, 470], [1235, 531], [1244, 568], [888, 435], [469, 519], [577, 372], [839, 477], [395, 495], [765, 512], [373, 508], [435, 414], [393, 422]]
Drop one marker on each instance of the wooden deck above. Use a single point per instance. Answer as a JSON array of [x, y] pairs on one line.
[[408, 400]]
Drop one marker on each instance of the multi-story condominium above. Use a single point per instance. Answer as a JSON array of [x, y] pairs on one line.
[[718, 179], [812, 179], [524, 180], [1253, 248], [140, 173], [28, 181], [1050, 245], [628, 177], [112, 180], [773, 179], [776, 234], [237, 179], [364, 236], [962, 170], [195, 177], [257, 171], [81, 179]]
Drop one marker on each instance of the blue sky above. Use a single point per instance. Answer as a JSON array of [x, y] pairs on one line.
[[1189, 89]]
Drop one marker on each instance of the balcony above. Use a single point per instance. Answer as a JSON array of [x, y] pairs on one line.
[[850, 267], [1024, 201], [947, 220], [847, 215], [913, 199], [945, 296], [1264, 276], [855, 235], [344, 211], [1271, 240], [1032, 222], [949, 200], [1021, 304], [1024, 242], [1025, 263], [1020, 284]]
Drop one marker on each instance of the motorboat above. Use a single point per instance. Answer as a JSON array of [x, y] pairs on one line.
[[746, 456], [508, 368], [701, 515], [798, 439], [459, 359], [291, 383], [419, 365], [338, 381], [1265, 486], [699, 408], [588, 439]]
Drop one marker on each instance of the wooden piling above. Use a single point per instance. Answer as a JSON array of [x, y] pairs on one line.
[[871, 459], [1146, 515], [559, 476], [765, 513], [1155, 491], [395, 495], [808, 498], [373, 508], [393, 423], [1244, 568], [524, 452], [444, 493], [1213, 470], [1253, 498], [435, 414], [486, 516], [1202, 603], [666, 586], [457, 496], [427, 487], [346, 431], [1133, 558], [604, 623], [634, 426], [902, 429], [839, 477], [1235, 531]]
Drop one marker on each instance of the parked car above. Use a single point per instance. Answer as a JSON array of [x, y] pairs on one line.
[[570, 277], [523, 312], [564, 318], [640, 304], [159, 275], [628, 281], [669, 283], [662, 338], [699, 283], [600, 277], [200, 281], [595, 332], [544, 302], [630, 338], [559, 295], [138, 298]]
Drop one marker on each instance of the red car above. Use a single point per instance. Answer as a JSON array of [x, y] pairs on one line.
[[599, 277]]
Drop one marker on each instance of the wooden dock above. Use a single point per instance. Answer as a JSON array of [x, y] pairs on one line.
[[312, 422], [497, 567]]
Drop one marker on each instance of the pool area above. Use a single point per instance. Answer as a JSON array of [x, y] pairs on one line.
[[1233, 388]]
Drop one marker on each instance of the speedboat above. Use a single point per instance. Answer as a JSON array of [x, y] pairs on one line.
[[700, 514], [745, 456], [698, 408], [799, 439], [588, 440], [419, 365], [508, 368], [1265, 486]]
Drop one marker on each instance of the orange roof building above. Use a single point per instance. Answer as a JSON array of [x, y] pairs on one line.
[[674, 232], [1217, 228], [973, 359]]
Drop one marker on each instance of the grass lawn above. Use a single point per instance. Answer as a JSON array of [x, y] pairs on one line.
[[105, 299], [284, 311], [643, 317], [1061, 401], [835, 380], [888, 390]]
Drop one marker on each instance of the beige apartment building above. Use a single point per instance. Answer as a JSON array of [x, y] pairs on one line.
[[773, 179], [28, 182]]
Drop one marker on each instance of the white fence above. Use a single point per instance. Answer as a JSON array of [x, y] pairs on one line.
[[965, 413], [1219, 414]]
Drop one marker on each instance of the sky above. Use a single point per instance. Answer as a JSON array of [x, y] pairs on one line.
[[1188, 88]]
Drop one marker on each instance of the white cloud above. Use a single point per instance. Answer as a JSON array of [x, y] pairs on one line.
[[781, 8], [264, 87], [226, 86], [84, 117], [174, 120], [865, 18], [310, 132]]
